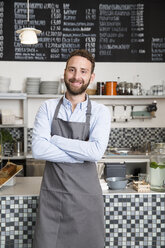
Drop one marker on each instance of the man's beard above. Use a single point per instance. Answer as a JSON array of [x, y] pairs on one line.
[[73, 90]]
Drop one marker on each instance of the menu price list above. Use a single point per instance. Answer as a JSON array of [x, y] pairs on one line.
[[116, 31], [118, 37], [62, 31]]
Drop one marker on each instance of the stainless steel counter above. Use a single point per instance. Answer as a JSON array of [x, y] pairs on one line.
[[24, 186], [30, 186]]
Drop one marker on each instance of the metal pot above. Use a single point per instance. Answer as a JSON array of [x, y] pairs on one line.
[[117, 182]]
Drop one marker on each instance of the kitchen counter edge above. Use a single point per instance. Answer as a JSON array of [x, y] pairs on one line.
[[30, 186]]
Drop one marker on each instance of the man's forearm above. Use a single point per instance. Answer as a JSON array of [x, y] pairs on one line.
[[81, 150], [45, 150]]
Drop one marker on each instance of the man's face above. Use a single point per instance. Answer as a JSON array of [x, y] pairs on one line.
[[77, 75]]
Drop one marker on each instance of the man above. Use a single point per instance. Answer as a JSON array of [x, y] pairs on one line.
[[71, 134]]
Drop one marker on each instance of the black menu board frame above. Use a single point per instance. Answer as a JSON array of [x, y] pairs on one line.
[[112, 30]]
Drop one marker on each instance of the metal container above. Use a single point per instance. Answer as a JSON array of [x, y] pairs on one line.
[[18, 148], [116, 182]]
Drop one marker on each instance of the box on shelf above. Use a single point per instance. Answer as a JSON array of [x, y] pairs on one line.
[[141, 186], [7, 117]]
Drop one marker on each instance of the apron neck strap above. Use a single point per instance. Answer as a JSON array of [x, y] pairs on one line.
[[58, 107], [88, 113]]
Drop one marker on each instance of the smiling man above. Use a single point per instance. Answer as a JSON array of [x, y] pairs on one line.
[[78, 74], [71, 134]]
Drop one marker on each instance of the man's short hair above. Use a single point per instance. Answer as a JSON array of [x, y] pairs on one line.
[[83, 53]]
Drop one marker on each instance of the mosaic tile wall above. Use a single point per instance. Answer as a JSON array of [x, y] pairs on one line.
[[126, 137], [17, 133], [119, 137], [130, 221], [29, 138]]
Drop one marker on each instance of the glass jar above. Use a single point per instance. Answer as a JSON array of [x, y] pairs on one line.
[[100, 88], [0, 150], [129, 87], [111, 88], [138, 88], [157, 168], [121, 88]]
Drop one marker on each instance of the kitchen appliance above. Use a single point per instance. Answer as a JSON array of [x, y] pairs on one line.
[[114, 170]]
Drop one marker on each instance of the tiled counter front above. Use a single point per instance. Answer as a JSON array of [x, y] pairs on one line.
[[131, 220], [18, 216], [135, 220]]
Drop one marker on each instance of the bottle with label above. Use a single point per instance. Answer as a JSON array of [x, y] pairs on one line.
[[62, 87], [117, 87], [137, 89], [157, 168]]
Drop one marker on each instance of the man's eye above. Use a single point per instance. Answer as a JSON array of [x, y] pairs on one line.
[[84, 72], [71, 69]]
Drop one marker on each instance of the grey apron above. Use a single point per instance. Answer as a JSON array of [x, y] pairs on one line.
[[71, 212]]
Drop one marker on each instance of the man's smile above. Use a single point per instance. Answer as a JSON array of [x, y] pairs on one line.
[[75, 83]]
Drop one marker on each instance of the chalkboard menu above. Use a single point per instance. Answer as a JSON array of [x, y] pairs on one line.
[[112, 30]]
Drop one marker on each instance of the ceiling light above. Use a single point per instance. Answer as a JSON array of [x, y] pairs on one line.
[[28, 35]]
